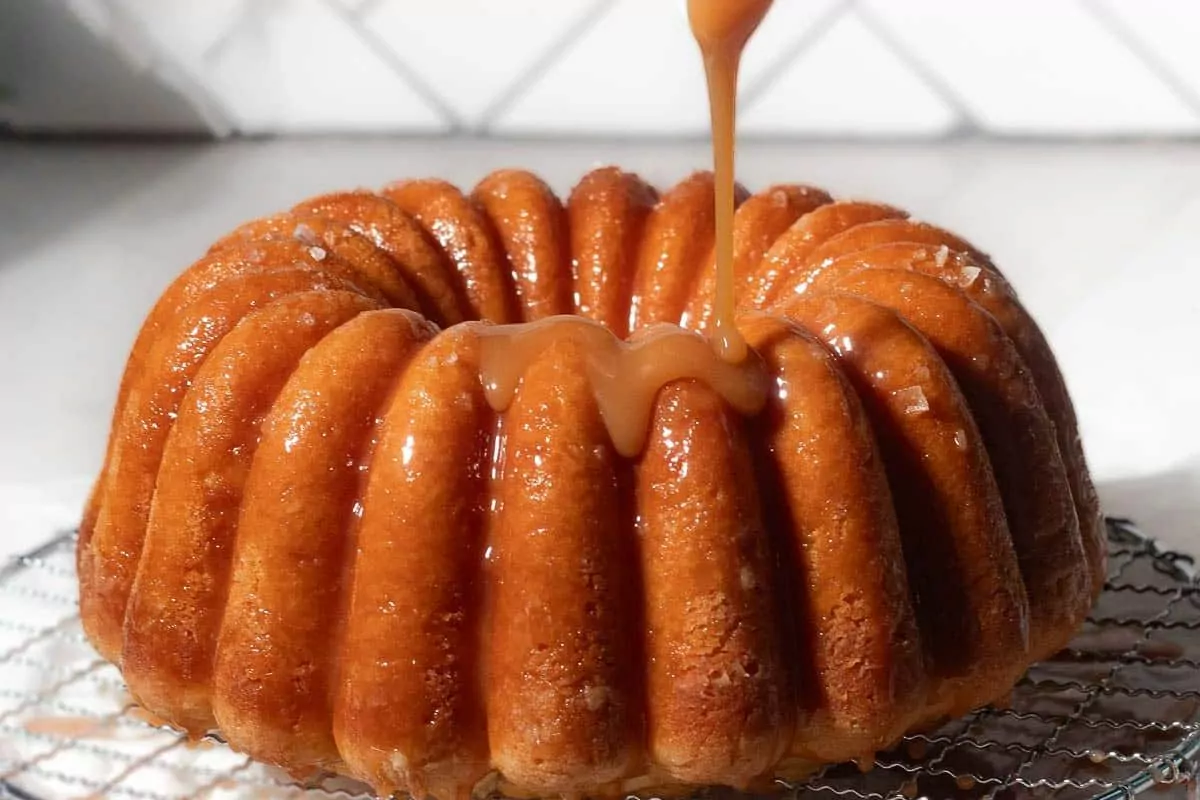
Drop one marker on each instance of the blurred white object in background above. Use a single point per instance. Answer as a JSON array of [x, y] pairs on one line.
[[861, 68], [78, 66]]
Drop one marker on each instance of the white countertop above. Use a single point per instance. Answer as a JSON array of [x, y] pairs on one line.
[[1101, 241]]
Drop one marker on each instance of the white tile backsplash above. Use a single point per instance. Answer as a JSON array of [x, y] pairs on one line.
[[849, 82], [299, 65], [1036, 67], [794, 27], [634, 71], [471, 53], [923, 68], [184, 28], [1166, 33]]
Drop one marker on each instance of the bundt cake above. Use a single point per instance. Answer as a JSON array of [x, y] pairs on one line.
[[315, 533]]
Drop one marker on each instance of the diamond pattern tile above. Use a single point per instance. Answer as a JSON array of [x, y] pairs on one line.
[[1166, 31], [924, 68], [298, 65], [849, 83], [473, 53], [789, 28], [185, 29], [1029, 67], [603, 83], [636, 70]]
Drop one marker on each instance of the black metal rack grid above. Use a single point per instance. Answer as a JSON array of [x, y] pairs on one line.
[[1115, 714]]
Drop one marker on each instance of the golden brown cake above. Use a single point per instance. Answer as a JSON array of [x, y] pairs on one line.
[[314, 533]]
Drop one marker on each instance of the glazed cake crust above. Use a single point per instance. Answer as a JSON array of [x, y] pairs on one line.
[[313, 533]]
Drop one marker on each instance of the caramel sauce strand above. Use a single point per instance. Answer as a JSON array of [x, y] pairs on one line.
[[722, 28], [722, 85]]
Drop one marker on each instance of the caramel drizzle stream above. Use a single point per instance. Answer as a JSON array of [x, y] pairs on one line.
[[721, 29], [626, 376]]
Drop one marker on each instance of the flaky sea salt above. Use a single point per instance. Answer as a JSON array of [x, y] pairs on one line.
[[967, 276], [914, 400], [305, 234], [595, 697], [747, 579], [960, 439]]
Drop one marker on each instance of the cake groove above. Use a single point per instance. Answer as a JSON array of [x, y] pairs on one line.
[[988, 288], [172, 360], [532, 225], [356, 564], [416, 257], [277, 653], [171, 624], [759, 221], [607, 214], [468, 239], [1014, 426], [970, 603], [417, 593], [677, 239]]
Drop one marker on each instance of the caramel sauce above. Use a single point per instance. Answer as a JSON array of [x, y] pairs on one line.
[[626, 376], [148, 717], [722, 28], [71, 728]]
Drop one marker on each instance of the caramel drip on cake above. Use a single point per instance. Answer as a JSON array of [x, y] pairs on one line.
[[722, 28], [625, 376]]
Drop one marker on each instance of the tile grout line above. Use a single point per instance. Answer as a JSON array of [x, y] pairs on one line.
[[1120, 32], [365, 7], [400, 68], [213, 51], [530, 76], [780, 64], [194, 90], [967, 121]]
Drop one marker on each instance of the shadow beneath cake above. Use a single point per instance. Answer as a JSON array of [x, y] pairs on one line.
[[1165, 506]]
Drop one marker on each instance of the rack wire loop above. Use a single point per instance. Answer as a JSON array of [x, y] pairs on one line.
[[1115, 714]]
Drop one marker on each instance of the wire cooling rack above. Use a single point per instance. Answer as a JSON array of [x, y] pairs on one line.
[[1113, 715]]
